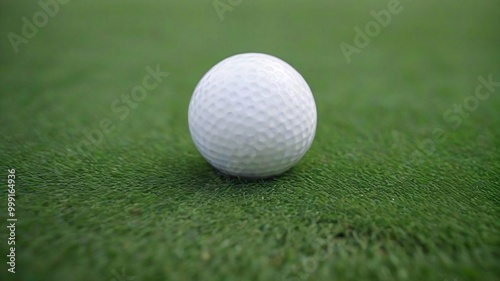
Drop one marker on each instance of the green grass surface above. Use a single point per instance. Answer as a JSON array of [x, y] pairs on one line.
[[359, 206]]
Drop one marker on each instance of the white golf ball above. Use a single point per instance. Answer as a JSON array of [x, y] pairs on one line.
[[252, 115]]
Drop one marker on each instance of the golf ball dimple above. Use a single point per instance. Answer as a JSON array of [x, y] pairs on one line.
[[252, 115]]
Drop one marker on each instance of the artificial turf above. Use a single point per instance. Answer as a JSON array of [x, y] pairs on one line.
[[390, 189]]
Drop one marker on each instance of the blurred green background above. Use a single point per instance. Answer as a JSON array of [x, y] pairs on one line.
[[390, 189]]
